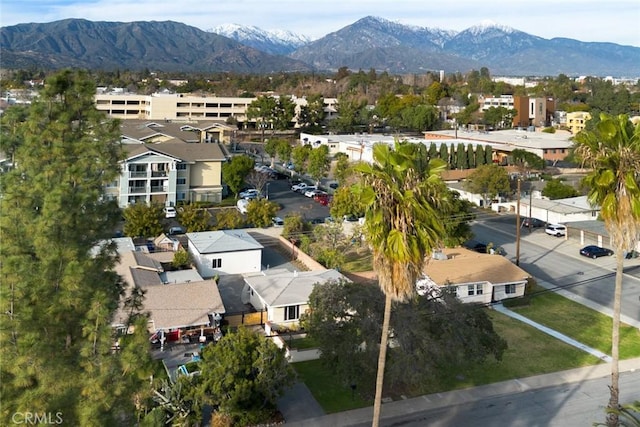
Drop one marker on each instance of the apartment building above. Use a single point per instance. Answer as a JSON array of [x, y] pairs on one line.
[[177, 106], [168, 163], [577, 120]]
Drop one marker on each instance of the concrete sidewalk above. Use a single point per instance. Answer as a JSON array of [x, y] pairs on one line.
[[458, 397]]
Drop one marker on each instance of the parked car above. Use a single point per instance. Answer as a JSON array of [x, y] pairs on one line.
[[333, 185], [317, 221], [299, 187], [557, 230], [252, 193], [533, 223], [312, 192], [349, 218], [593, 251], [176, 230], [277, 221], [476, 246], [323, 199], [170, 212]]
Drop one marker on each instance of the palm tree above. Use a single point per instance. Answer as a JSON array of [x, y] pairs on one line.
[[403, 195], [612, 150]]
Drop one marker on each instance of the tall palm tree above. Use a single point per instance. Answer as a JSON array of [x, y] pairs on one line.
[[612, 150], [403, 195]]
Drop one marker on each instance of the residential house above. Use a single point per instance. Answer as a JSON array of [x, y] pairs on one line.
[[476, 277], [178, 301], [225, 252], [284, 294]]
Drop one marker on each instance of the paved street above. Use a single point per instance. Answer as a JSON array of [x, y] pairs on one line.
[[555, 263]]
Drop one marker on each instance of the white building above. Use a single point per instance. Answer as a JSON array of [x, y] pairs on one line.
[[225, 252]]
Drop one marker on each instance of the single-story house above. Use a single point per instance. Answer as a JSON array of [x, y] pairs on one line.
[[476, 277], [284, 294], [225, 252], [177, 301]]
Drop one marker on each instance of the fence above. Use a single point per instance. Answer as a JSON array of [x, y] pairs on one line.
[[246, 318]]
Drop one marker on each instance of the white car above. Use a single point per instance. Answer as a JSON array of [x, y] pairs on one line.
[[170, 212], [311, 191], [252, 193], [300, 187], [557, 230], [277, 221]]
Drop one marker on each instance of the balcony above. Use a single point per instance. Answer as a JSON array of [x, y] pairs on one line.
[[159, 189], [137, 174], [159, 174], [137, 190]]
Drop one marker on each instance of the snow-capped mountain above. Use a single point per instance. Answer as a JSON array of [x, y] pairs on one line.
[[369, 43], [275, 42]]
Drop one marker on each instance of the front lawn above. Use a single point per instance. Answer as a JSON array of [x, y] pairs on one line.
[[530, 352], [579, 322]]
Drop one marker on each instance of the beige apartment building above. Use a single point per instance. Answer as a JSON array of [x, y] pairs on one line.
[[577, 120], [177, 106]]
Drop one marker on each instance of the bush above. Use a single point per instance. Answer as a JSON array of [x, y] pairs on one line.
[[550, 129]]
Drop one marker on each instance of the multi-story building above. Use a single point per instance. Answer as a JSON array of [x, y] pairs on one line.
[[577, 120], [176, 106], [167, 164]]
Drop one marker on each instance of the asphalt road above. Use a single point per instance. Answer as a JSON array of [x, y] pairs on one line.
[[556, 261], [568, 405]]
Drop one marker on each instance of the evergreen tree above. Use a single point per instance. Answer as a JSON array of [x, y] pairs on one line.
[[462, 162], [58, 293], [480, 159], [444, 152], [433, 151], [488, 155], [471, 156]]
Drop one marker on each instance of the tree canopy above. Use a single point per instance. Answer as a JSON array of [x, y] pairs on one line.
[[243, 374], [431, 334], [58, 290]]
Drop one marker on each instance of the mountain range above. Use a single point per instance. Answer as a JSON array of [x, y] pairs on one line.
[[369, 43]]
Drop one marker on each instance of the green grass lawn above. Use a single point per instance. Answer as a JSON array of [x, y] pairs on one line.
[[302, 343], [357, 261], [580, 323], [530, 352]]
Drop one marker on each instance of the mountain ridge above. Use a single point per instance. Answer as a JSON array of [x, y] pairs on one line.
[[369, 43]]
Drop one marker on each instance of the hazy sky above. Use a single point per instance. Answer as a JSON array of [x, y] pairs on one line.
[[616, 21]]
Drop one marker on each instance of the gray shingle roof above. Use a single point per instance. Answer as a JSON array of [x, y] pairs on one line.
[[282, 287]]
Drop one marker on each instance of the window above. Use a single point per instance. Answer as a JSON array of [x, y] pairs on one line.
[[292, 312], [181, 166], [181, 181], [216, 263], [510, 289], [474, 289]]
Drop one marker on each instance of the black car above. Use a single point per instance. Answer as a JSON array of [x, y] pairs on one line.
[[476, 246], [593, 251], [533, 223]]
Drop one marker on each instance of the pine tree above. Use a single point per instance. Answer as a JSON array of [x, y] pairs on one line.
[[58, 294]]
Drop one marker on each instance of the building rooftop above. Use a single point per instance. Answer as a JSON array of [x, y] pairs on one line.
[[209, 242]]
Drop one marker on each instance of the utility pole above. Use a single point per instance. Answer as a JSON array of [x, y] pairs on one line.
[[518, 224]]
